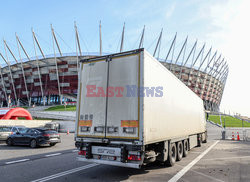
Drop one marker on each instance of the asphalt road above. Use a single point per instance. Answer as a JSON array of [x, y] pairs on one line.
[[215, 161]]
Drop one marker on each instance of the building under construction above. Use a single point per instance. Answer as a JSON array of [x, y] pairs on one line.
[[45, 80]]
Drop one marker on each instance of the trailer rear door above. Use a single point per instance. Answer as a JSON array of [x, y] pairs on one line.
[[112, 114], [92, 108], [123, 109]]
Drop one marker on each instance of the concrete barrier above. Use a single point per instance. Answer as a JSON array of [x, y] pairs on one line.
[[26, 123]]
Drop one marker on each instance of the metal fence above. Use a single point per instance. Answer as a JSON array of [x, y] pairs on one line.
[[237, 134]]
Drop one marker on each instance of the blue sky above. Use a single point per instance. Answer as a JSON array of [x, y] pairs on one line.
[[222, 24], [172, 16]]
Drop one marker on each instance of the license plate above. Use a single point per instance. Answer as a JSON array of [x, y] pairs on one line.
[[53, 136], [106, 151]]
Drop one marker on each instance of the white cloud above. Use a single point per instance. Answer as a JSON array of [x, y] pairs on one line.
[[170, 10]]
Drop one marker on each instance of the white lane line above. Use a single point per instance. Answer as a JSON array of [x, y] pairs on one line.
[[12, 162], [191, 164], [75, 150], [229, 158], [50, 155], [215, 179], [65, 173], [193, 152]]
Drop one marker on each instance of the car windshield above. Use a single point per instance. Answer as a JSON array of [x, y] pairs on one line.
[[5, 129], [22, 130], [48, 125]]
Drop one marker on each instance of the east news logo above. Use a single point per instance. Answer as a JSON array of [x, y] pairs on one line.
[[127, 91]]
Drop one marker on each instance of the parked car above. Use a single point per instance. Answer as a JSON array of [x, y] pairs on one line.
[[52, 126], [6, 131], [34, 137]]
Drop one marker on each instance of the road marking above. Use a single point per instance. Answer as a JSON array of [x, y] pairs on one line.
[[50, 155], [215, 179], [65, 173], [202, 174], [75, 150], [195, 152], [228, 158], [12, 162], [191, 164]]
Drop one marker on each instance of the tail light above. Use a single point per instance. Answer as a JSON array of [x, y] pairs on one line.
[[99, 129], [85, 128], [129, 130], [46, 135], [134, 157], [112, 129], [82, 152], [129, 126]]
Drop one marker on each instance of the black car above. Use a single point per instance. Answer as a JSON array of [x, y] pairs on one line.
[[34, 137]]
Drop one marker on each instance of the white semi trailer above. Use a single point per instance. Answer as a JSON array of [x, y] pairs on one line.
[[131, 111]]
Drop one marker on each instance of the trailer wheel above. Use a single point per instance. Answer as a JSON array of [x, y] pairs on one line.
[[185, 148], [205, 140], [172, 153], [179, 151]]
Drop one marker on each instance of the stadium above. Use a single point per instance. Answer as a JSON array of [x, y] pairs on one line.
[[53, 79]]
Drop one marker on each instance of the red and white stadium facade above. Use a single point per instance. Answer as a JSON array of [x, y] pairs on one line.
[[54, 79]]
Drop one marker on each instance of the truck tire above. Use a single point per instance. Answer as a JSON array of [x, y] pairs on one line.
[[205, 140], [179, 151], [185, 148], [199, 140], [172, 153]]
